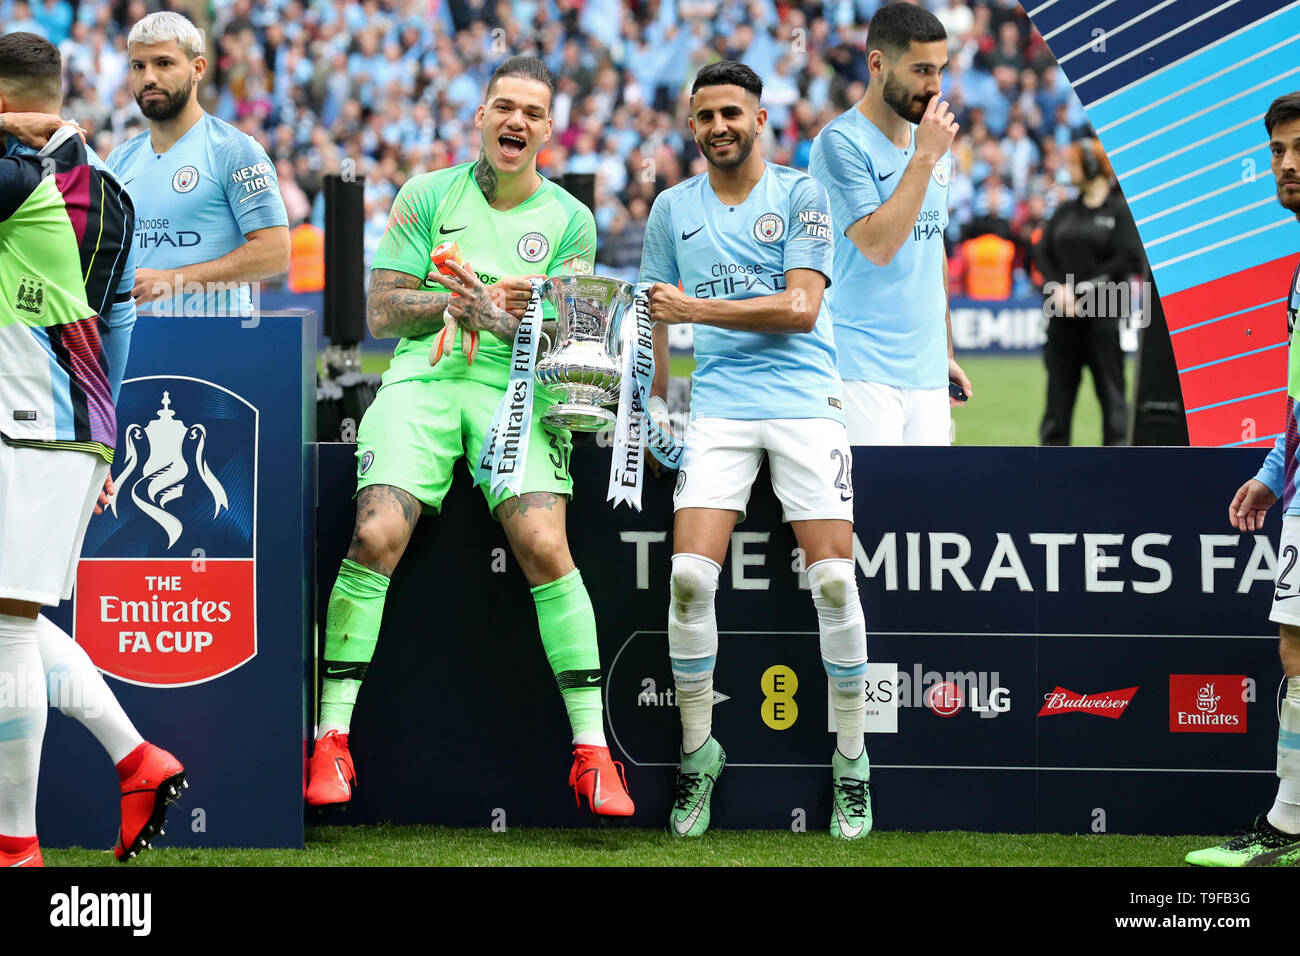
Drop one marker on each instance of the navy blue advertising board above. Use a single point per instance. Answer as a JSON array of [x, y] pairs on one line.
[[194, 589], [1063, 640]]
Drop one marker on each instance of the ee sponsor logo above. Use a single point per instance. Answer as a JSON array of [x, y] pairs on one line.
[[779, 709]]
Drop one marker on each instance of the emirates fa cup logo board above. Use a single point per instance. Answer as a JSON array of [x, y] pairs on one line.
[[165, 588]]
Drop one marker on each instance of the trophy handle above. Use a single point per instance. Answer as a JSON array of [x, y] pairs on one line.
[[543, 350]]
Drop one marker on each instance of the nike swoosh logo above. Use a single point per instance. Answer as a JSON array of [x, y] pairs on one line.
[[884, 176], [845, 829], [338, 768], [25, 861], [335, 670], [593, 680], [683, 826], [1283, 597], [443, 230], [844, 497], [596, 800], [686, 235]]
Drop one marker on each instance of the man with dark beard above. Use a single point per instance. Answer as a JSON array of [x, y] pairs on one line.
[[209, 217], [886, 167], [1274, 837]]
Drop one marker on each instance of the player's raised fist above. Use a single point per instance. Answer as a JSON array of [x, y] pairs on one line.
[[936, 131]]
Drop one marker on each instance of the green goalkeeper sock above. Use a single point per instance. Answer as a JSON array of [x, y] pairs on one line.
[[568, 627], [351, 631]]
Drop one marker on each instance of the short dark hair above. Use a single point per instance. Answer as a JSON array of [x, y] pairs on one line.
[[1283, 110], [728, 73], [895, 26], [31, 67], [525, 67]]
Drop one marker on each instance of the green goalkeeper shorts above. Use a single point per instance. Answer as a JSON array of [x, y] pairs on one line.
[[413, 434]]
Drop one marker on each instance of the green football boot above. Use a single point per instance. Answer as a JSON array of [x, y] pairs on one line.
[[1262, 845], [852, 795], [696, 778]]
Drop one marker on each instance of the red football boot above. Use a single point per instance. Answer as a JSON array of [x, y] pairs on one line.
[[332, 775], [594, 777], [151, 779]]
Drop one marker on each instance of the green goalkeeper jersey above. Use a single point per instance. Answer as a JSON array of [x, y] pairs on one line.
[[550, 233]]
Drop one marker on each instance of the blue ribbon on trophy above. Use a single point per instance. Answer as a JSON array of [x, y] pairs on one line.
[[505, 446], [635, 429]]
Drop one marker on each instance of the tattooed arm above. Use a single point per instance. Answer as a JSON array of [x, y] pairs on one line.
[[397, 307]]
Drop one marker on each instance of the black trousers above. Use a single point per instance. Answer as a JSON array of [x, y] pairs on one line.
[[1071, 344]]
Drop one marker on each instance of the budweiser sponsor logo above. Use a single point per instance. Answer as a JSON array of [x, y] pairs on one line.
[[1110, 703], [1207, 704]]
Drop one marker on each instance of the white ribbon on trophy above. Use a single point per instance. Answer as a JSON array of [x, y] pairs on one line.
[[504, 455], [635, 429]]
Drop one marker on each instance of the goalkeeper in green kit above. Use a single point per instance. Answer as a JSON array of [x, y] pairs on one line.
[[509, 223]]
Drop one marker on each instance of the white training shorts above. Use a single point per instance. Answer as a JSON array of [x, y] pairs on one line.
[[1286, 592], [810, 461], [879, 414], [47, 496]]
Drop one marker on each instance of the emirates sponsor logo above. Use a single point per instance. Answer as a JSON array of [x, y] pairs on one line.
[[1207, 703], [1110, 703]]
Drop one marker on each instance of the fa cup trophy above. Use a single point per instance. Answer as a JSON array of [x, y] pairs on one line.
[[584, 365]]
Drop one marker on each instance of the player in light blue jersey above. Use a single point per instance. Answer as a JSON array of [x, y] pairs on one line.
[[886, 166], [750, 243], [209, 217], [1274, 837]]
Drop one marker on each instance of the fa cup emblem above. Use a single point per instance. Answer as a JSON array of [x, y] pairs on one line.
[[164, 471]]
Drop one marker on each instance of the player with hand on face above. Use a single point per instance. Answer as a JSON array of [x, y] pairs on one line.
[[1274, 837], [751, 244], [509, 223], [886, 166]]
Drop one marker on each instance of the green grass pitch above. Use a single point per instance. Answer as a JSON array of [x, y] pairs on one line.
[[611, 846]]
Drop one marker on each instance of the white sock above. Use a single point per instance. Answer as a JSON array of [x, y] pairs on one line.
[[693, 644], [78, 690], [22, 724], [843, 632], [1285, 813]]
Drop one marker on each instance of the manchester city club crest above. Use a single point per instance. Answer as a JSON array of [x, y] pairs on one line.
[[533, 247], [29, 300], [940, 174], [186, 178], [769, 228]]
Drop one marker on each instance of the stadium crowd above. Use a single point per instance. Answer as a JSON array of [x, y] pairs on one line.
[[388, 89]]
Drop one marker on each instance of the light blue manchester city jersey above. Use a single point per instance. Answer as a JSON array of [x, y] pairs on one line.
[[195, 203], [889, 320], [718, 251]]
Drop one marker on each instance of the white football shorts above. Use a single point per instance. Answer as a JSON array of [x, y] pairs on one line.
[[1286, 591], [879, 414], [810, 461], [47, 496]]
